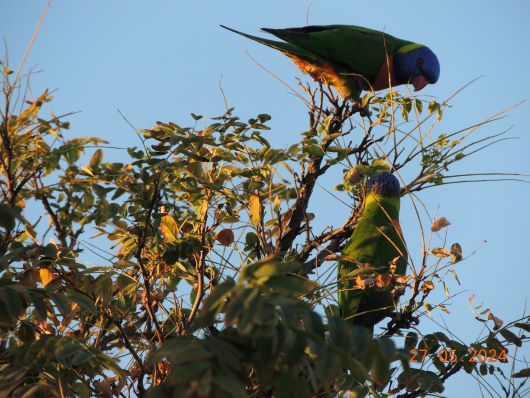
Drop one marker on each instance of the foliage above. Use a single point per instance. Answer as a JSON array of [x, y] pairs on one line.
[[208, 287]]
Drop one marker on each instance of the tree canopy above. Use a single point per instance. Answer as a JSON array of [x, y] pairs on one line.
[[208, 282]]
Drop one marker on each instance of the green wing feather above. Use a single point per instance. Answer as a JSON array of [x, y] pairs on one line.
[[288, 48], [359, 50], [377, 240], [320, 68]]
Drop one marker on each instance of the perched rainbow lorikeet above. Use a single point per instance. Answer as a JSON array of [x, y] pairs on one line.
[[377, 242], [353, 58]]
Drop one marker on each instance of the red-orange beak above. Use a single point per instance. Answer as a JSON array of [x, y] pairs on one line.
[[419, 82]]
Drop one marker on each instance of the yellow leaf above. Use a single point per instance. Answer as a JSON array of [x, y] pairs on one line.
[[428, 308], [440, 252], [443, 308], [169, 228], [453, 272], [440, 223], [286, 217], [402, 279], [256, 210], [427, 286], [46, 276], [446, 290], [88, 170], [225, 237], [276, 202]]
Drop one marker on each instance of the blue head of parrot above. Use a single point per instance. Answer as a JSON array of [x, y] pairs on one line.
[[384, 184], [416, 64]]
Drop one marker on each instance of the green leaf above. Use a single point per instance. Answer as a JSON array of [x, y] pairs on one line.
[[426, 380], [411, 340], [230, 385], [328, 366], [10, 378], [429, 342], [433, 106], [267, 268], [419, 106], [81, 357], [103, 289], [6, 70], [7, 217], [313, 150], [380, 368], [63, 305], [12, 301], [214, 303], [96, 159], [26, 333], [387, 348], [340, 333], [39, 304], [84, 302], [357, 369], [361, 340], [291, 285], [189, 372], [50, 250]]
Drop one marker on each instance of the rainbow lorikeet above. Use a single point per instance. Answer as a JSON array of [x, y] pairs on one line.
[[353, 58], [376, 245]]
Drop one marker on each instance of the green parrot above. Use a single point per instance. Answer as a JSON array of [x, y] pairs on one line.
[[377, 242], [353, 58]]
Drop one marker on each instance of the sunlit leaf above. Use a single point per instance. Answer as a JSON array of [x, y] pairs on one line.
[[440, 223], [169, 228], [256, 210], [440, 252], [46, 276], [427, 286]]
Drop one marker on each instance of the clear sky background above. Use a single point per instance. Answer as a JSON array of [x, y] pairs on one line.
[[161, 60]]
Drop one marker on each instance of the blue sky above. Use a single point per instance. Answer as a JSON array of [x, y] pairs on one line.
[[161, 60]]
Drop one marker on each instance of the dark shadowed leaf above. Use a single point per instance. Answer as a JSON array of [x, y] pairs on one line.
[[411, 340], [522, 373], [7, 217], [524, 326], [511, 337]]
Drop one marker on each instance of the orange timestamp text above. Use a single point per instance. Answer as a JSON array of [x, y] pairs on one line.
[[449, 355]]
